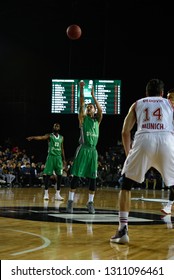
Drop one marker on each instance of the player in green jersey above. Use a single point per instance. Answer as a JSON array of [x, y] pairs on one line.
[[85, 162], [55, 158]]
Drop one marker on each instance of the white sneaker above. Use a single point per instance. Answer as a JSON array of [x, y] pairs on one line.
[[46, 196], [166, 210], [58, 197]]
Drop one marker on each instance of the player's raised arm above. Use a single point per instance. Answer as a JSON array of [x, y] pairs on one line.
[[82, 102], [99, 108]]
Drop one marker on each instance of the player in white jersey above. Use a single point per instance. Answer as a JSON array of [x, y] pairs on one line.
[[152, 147], [167, 209]]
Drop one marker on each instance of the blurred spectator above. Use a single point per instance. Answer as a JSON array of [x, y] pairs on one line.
[[26, 174]]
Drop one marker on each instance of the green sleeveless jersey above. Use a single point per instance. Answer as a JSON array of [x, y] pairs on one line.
[[54, 145], [89, 132], [85, 163]]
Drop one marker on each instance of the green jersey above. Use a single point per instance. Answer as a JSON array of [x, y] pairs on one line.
[[54, 161], [89, 132], [85, 163], [54, 145]]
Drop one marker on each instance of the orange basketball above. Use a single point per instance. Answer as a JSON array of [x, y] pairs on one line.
[[74, 32]]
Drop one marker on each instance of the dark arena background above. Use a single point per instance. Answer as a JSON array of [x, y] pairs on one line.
[[34, 49], [129, 41]]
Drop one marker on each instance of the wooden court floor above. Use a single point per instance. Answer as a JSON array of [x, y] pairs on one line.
[[32, 229]]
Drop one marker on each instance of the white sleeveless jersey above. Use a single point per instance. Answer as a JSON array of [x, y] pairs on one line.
[[156, 149], [154, 114]]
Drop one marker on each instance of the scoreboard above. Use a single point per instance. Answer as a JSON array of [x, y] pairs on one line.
[[66, 95]]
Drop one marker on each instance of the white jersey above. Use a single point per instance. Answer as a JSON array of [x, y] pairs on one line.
[[154, 114], [154, 149]]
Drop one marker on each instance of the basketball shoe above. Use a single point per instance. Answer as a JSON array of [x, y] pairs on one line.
[[58, 197], [90, 207], [121, 236], [46, 195], [69, 207]]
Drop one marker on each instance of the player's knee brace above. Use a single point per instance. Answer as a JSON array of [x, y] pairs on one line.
[[47, 181], [171, 195], [92, 185], [59, 181], [127, 183], [74, 182]]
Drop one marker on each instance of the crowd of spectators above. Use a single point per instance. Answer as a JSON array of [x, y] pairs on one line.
[[18, 169]]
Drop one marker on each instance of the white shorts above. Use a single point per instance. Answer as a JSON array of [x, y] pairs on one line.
[[151, 150]]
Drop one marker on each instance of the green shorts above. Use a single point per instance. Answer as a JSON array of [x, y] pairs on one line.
[[85, 163], [53, 164]]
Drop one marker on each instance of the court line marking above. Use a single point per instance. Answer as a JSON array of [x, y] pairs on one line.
[[151, 199], [47, 242], [97, 218]]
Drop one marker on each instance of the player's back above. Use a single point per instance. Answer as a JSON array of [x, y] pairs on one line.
[[154, 114]]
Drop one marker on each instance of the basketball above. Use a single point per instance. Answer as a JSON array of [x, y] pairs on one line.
[[74, 32]]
